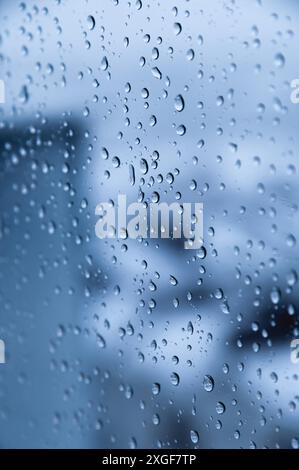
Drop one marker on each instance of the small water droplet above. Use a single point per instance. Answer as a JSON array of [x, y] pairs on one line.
[[181, 130], [279, 60], [295, 443], [194, 436], [177, 27], [132, 175], [156, 389], [156, 73]]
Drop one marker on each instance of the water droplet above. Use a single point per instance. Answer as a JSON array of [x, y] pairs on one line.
[[292, 278], [190, 54], [101, 341], [291, 240], [143, 166], [144, 93], [132, 175], [220, 101], [220, 408], [200, 40], [194, 436], [275, 296], [153, 121], [190, 328], [274, 377], [104, 64], [155, 197], [208, 383], [91, 22], [218, 294], [179, 103], [156, 419], [181, 130], [175, 379], [295, 443], [225, 308], [177, 27], [156, 73], [116, 162], [104, 153], [156, 389], [279, 60], [24, 95], [173, 281]]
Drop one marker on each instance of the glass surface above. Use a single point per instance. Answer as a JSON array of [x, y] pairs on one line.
[[141, 343]]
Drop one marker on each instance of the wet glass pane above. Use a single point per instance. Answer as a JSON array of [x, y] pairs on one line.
[[121, 327]]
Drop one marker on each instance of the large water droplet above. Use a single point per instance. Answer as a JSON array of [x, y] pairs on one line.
[[175, 379], [104, 63], [220, 408], [208, 383], [179, 103], [91, 22]]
